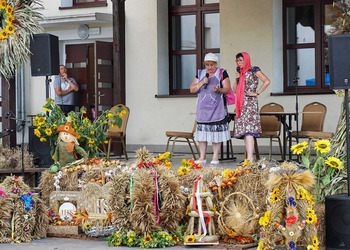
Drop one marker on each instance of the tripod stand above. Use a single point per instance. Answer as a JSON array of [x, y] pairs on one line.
[[23, 122]]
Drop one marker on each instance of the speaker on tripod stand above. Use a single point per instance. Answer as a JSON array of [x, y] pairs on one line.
[[40, 150], [338, 206]]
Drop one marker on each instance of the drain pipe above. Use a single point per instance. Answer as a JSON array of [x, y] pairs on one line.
[[21, 111]]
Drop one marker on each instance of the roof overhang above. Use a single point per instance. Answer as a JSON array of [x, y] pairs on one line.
[[89, 18]]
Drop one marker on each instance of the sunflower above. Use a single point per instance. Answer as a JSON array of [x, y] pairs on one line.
[[315, 241], [91, 140], [9, 19], [10, 29], [130, 240], [299, 148], [4, 34], [168, 165], [276, 191], [9, 10], [147, 239], [311, 247], [2, 5], [37, 132], [175, 238], [164, 156], [311, 218], [87, 226], [334, 162], [322, 146], [122, 113], [118, 243], [170, 237], [190, 239], [48, 131], [183, 170], [42, 139], [261, 245], [300, 196], [41, 120]]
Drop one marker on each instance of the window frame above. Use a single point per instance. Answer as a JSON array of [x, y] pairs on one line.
[[319, 45], [199, 9], [89, 4]]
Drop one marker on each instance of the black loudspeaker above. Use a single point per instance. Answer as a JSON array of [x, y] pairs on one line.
[[337, 222], [339, 61], [45, 55], [40, 150]]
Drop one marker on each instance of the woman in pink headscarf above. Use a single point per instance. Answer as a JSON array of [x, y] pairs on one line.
[[247, 125]]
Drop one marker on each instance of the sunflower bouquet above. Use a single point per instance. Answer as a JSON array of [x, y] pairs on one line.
[[187, 165], [325, 167], [90, 134]]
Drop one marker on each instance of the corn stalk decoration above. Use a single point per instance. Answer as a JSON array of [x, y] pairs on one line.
[[18, 22], [338, 184]]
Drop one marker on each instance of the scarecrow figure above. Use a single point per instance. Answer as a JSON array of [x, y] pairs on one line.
[[67, 146]]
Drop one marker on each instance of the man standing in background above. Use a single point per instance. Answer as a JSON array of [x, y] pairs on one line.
[[64, 87]]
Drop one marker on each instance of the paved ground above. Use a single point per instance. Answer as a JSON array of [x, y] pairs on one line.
[[67, 244]]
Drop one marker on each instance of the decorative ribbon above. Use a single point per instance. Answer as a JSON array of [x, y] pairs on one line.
[[200, 211], [27, 201], [130, 187], [156, 192], [2, 193]]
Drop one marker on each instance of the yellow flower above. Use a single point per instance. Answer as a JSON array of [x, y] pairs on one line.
[[110, 114], [315, 241], [183, 162], [183, 170], [46, 109], [37, 132], [246, 163], [10, 29], [311, 218], [48, 131], [190, 239], [322, 146], [163, 235], [118, 243], [261, 245], [9, 10], [170, 237], [132, 235], [168, 165], [311, 247], [116, 235], [2, 5], [226, 173], [9, 19], [164, 156], [175, 237], [3, 34], [122, 113], [83, 111], [42, 139], [91, 140], [334, 162], [130, 240], [147, 239], [299, 148], [105, 142], [41, 120]]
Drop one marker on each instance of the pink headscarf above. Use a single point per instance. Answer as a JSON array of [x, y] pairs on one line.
[[241, 83]]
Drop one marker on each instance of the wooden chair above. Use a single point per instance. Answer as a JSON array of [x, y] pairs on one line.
[[114, 133], [176, 136], [271, 127], [312, 123]]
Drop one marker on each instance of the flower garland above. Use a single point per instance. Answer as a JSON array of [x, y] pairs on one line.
[[131, 239], [18, 22]]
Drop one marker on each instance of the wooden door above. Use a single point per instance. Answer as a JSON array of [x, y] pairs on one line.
[[103, 76], [80, 66]]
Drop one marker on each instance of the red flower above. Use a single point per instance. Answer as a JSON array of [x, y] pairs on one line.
[[316, 224], [291, 220]]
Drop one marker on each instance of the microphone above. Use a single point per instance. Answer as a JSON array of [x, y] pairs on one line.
[[9, 130], [7, 115], [238, 69], [206, 75]]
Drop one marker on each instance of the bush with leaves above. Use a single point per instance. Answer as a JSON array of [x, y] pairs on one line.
[[91, 134]]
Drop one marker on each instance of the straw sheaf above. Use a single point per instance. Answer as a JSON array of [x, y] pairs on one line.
[[118, 200], [15, 49], [5, 214], [91, 192], [36, 214], [207, 173], [142, 216], [41, 219], [306, 178], [173, 206], [6, 154], [320, 211], [68, 182]]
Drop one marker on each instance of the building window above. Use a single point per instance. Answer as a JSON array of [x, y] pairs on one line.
[[305, 45], [194, 31], [88, 3]]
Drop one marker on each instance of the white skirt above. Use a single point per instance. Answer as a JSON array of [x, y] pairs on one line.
[[212, 133]]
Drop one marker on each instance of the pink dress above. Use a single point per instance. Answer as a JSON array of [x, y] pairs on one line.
[[248, 123]]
